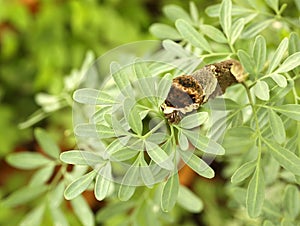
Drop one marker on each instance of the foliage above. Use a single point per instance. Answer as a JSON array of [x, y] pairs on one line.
[[41, 41], [257, 139]]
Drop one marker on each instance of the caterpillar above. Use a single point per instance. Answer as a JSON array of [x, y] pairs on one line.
[[189, 92]]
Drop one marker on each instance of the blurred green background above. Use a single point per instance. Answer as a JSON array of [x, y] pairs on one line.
[[41, 41]]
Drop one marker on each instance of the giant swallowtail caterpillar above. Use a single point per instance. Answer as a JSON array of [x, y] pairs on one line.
[[189, 92]]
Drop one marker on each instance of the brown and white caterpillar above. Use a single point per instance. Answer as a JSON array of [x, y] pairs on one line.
[[189, 92]]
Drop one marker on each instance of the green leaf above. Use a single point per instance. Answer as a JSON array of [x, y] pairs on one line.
[[182, 141], [57, 195], [132, 115], [213, 33], [278, 55], [194, 12], [158, 138], [128, 184], [42, 175], [79, 185], [163, 31], [243, 172], [204, 143], [174, 12], [121, 79], [278, 93], [223, 104], [225, 16], [290, 63], [255, 28], [273, 4], [78, 157], [191, 35], [286, 222], [112, 209], [47, 143], [27, 160], [164, 87], [58, 217], [236, 30], [291, 202], [34, 217], [176, 50], [277, 127], [83, 211], [294, 43], [146, 174], [103, 182], [193, 120], [188, 200], [256, 193], [246, 61], [197, 164], [259, 53], [93, 97], [261, 90], [290, 110], [24, 195], [170, 193], [92, 130], [284, 157], [235, 142], [159, 156], [213, 10], [279, 79], [268, 223]]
